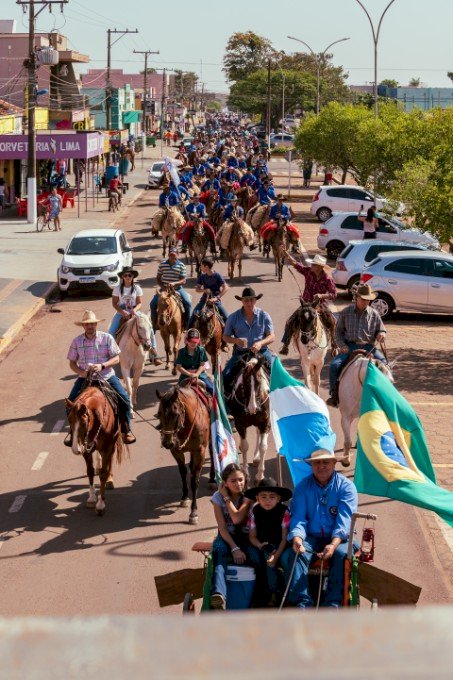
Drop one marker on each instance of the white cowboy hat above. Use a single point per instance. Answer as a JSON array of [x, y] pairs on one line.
[[88, 317], [317, 259], [321, 454]]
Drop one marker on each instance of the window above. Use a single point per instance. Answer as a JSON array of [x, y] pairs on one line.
[[123, 242], [338, 193], [351, 222], [93, 245], [407, 265], [359, 195], [344, 253], [441, 268], [374, 250]]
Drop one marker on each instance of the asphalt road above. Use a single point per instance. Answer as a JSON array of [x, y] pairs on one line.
[[58, 558]]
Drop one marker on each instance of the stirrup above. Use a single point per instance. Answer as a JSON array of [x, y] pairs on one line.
[[67, 441]]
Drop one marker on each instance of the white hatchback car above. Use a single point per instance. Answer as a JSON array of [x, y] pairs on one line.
[[281, 139], [92, 260], [342, 197], [335, 234], [155, 173], [412, 282]]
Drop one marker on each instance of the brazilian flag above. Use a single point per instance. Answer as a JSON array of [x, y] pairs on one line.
[[392, 454]]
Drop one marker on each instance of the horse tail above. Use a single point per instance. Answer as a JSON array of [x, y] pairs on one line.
[[121, 449]]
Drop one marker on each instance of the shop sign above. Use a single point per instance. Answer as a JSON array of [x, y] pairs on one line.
[[53, 146]]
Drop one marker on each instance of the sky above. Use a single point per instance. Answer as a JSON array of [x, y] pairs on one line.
[[415, 39]]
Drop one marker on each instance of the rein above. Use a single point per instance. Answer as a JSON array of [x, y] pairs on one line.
[[90, 448], [181, 415]]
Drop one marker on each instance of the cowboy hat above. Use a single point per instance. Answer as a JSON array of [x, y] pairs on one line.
[[128, 270], [321, 454], [317, 259], [280, 197], [268, 484], [88, 317], [248, 293], [365, 292]]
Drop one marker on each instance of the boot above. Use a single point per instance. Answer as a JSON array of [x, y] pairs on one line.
[[128, 437], [284, 350], [333, 399]]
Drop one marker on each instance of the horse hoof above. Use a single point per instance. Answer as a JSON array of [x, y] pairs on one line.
[[346, 462], [193, 519], [184, 503], [167, 366], [100, 512], [97, 471], [173, 371], [109, 484], [90, 504]]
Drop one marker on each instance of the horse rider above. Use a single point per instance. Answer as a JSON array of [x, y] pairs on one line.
[[211, 183], [249, 329], [249, 179], [359, 326], [213, 286], [192, 361], [321, 512], [266, 192], [172, 273], [115, 187], [95, 353], [167, 199], [196, 210], [281, 211], [232, 209], [230, 175], [319, 287]]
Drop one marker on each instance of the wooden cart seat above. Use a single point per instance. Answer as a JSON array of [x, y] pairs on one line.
[[202, 547]]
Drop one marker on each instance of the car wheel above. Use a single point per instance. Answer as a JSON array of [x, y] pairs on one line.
[[62, 293], [147, 187], [353, 283], [384, 304], [324, 214], [334, 249]]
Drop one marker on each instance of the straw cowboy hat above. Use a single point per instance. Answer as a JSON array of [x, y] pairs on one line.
[[321, 454], [366, 292], [88, 317], [269, 484], [317, 259], [248, 293]]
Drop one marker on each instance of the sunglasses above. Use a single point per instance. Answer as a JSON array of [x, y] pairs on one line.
[[128, 276]]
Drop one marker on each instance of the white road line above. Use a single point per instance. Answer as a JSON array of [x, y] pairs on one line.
[[57, 427], [40, 460], [443, 465], [432, 403], [17, 503]]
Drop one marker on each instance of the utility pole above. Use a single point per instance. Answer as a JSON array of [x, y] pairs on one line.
[[30, 63], [268, 108], [145, 82], [162, 106], [108, 87]]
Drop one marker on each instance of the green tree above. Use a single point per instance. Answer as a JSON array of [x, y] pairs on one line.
[[244, 54], [450, 75], [184, 84], [414, 82], [332, 78], [389, 82]]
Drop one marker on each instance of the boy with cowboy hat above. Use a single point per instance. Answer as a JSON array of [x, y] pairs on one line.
[[359, 326], [321, 511], [268, 532], [97, 352]]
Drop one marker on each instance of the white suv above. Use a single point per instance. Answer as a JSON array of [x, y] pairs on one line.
[[342, 197], [336, 233]]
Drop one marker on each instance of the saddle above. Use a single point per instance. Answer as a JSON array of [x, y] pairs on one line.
[[200, 390], [351, 357]]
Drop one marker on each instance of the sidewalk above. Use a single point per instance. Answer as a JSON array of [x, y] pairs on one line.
[[29, 260]]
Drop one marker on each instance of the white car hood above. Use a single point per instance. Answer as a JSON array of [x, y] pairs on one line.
[[90, 260]]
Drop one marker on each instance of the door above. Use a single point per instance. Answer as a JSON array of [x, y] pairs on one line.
[[126, 257], [359, 198], [407, 282], [351, 228], [338, 198], [440, 285], [386, 231]]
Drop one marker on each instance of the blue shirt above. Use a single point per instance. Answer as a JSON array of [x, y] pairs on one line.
[[323, 511], [265, 195], [211, 184], [229, 211], [233, 162], [249, 179], [279, 211], [168, 200], [237, 326], [230, 175], [183, 191], [213, 281], [199, 209]]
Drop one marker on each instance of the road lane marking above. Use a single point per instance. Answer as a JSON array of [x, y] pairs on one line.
[[432, 403], [443, 465], [40, 460], [57, 427], [17, 503], [9, 288]]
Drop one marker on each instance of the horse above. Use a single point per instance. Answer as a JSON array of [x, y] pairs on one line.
[[257, 218], [311, 342], [197, 245], [240, 235], [247, 198], [134, 339], [278, 239], [96, 430], [208, 322], [172, 222], [249, 406], [169, 323], [350, 393], [185, 426]]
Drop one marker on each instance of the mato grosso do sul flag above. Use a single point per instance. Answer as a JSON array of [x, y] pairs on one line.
[[300, 421], [392, 454], [222, 441]]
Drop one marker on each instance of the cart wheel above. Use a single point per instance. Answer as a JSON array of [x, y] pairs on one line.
[[188, 606]]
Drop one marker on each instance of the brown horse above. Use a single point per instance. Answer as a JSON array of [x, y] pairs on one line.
[[247, 198], [198, 245], [257, 218], [238, 241], [169, 322], [171, 224], [279, 238], [185, 426], [210, 326], [249, 406], [96, 430]]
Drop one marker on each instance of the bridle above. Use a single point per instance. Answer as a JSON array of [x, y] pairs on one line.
[[169, 312], [311, 336], [238, 384], [181, 417]]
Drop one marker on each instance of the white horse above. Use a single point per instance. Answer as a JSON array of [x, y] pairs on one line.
[[134, 340], [350, 395], [310, 339]]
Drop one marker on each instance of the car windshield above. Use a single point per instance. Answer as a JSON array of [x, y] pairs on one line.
[[397, 223], [92, 245], [157, 167]]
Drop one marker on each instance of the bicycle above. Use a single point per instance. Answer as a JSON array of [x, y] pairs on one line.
[[44, 220]]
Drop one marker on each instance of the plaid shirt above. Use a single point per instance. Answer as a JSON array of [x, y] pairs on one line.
[[97, 351], [358, 327], [314, 286]]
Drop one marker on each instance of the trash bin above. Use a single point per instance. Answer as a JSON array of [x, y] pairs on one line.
[[111, 172], [151, 141], [240, 585]]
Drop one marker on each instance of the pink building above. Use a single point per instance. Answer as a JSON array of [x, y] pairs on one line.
[[95, 77]]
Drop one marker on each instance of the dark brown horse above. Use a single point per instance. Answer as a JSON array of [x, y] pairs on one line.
[[211, 330], [185, 426], [249, 406], [96, 432], [247, 198]]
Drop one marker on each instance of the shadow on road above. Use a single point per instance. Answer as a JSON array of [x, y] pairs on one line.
[[424, 370]]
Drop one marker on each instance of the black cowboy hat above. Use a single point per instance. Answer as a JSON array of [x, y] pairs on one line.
[[268, 484], [248, 293], [128, 270]]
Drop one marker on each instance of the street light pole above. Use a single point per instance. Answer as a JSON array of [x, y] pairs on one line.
[[318, 58], [375, 33], [108, 86]]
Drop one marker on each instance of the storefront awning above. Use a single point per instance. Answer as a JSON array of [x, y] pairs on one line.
[[131, 117]]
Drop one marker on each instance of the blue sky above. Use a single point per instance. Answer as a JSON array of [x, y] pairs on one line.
[[415, 38]]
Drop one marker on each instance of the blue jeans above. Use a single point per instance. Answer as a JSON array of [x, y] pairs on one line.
[[298, 594], [186, 301], [204, 378], [228, 371], [338, 361], [221, 553], [220, 308], [267, 578], [124, 403]]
